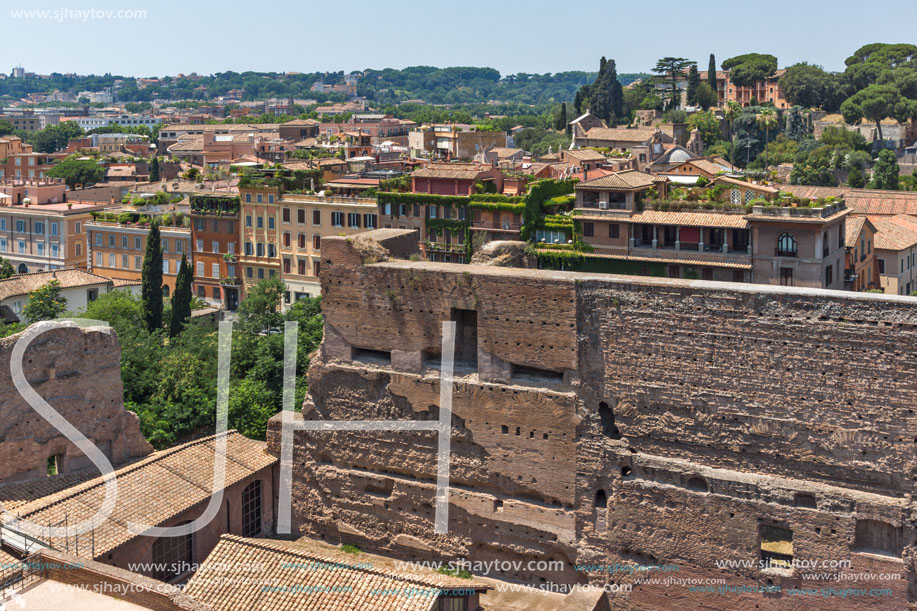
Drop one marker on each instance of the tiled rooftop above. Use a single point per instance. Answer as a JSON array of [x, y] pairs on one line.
[[354, 580]]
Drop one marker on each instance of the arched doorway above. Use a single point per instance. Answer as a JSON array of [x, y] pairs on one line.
[[23, 268], [165, 290]]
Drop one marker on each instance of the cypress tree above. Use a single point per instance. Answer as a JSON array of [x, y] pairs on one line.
[[154, 170], [711, 72], [151, 289], [855, 178], [560, 124], [616, 91], [693, 84], [181, 300]]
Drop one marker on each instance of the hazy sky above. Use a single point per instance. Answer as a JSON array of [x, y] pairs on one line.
[[519, 36]]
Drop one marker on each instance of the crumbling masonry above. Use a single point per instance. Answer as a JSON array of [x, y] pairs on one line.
[[603, 419]]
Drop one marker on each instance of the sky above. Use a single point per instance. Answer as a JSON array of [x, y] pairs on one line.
[[537, 36]]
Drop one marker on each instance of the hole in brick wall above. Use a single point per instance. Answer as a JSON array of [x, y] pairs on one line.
[[776, 546], [875, 537], [804, 499], [518, 431], [601, 499], [698, 484], [608, 421], [374, 357], [625, 471], [504, 429], [466, 337]]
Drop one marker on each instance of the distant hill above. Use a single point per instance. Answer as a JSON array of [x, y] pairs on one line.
[[455, 85]]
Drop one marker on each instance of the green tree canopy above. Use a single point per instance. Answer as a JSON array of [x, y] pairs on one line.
[[260, 310], [878, 102], [707, 124], [77, 171], [711, 73], [807, 85], [6, 269], [885, 172], [45, 303], [750, 68], [693, 83], [181, 300], [670, 70], [706, 96]]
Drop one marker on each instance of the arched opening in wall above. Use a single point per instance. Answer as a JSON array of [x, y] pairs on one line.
[[55, 465], [805, 499], [172, 556], [609, 428], [776, 547], [698, 484], [165, 290], [875, 537], [625, 471], [251, 509], [601, 499]]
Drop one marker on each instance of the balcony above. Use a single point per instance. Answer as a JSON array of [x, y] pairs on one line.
[[494, 226], [230, 281]]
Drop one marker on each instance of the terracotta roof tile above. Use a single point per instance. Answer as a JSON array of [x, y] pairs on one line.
[[894, 232], [461, 171], [151, 491], [630, 180], [23, 284], [853, 229], [684, 219], [665, 259], [619, 134], [325, 577]]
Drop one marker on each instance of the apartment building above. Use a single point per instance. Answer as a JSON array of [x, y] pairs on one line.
[[765, 90], [18, 161], [115, 247], [896, 252], [304, 220], [771, 244], [39, 237], [215, 249], [259, 236]]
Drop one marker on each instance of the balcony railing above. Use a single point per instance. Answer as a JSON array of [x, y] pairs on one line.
[[498, 226], [784, 253]]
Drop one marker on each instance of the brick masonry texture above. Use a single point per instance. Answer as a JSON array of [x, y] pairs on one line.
[[78, 372], [602, 419]]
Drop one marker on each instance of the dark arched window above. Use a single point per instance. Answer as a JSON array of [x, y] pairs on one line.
[[23, 268], [601, 499], [786, 245], [251, 509]]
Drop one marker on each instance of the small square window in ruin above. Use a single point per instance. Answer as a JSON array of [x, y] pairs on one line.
[[876, 537], [601, 499], [54, 465], [776, 547], [698, 484], [804, 499], [371, 357], [504, 429]]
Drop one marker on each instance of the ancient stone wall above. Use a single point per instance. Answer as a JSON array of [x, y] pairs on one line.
[[603, 419], [78, 372]]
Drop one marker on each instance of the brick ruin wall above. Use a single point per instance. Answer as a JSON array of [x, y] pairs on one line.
[[614, 419], [78, 372]]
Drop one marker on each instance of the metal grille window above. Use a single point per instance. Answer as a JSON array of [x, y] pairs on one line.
[[251, 509], [172, 556]]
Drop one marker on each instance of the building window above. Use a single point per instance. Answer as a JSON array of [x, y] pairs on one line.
[[316, 217], [215, 247], [165, 245], [301, 267], [286, 239], [39, 227], [248, 221], [316, 268], [301, 240], [786, 245], [369, 221], [172, 556], [353, 219], [301, 216], [165, 266], [749, 195], [200, 269], [337, 219], [251, 509], [54, 228], [137, 243], [286, 215], [248, 272], [111, 240], [825, 247], [4, 245], [124, 262], [270, 222], [248, 199], [98, 258], [215, 270], [881, 265], [260, 273], [735, 196], [260, 198], [199, 224], [259, 249], [829, 276], [286, 265], [614, 231], [271, 250], [316, 242], [588, 230], [137, 262], [270, 199], [260, 222], [111, 260]]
